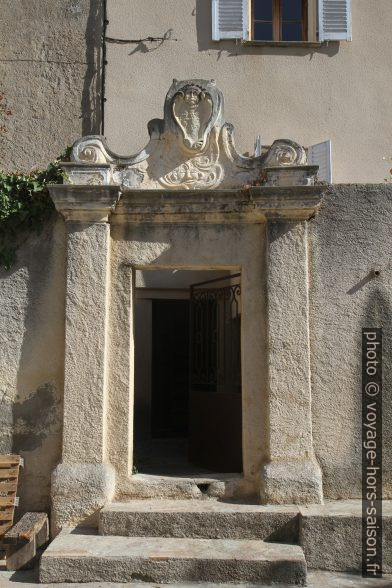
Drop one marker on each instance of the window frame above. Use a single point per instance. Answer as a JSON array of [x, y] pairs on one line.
[[277, 22], [327, 20]]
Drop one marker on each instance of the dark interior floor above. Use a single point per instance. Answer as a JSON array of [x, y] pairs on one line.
[[166, 457]]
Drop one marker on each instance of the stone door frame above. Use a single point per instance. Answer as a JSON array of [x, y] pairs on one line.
[[97, 398]]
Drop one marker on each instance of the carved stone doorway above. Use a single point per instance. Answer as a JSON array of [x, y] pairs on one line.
[[187, 200]]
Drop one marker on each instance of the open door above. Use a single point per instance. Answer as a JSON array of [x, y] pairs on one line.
[[215, 411]]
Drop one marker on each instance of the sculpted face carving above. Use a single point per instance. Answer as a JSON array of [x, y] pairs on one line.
[[193, 95], [192, 110]]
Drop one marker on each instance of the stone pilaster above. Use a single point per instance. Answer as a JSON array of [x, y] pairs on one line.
[[77, 498], [292, 475]]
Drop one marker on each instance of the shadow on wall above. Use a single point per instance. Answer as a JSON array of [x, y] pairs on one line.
[[234, 48], [92, 88], [147, 45], [37, 400]]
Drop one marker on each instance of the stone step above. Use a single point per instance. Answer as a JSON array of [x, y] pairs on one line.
[[207, 519], [77, 557], [331, 535]]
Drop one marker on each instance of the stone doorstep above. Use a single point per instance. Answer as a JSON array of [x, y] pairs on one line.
[[151, 486], [77, 557], [207, 519], [330, 535]]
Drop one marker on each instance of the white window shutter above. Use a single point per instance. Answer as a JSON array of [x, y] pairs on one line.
[[321, 155], [230, 19], [334, 20]]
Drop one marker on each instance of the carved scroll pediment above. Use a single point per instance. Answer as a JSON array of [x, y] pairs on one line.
[[191, 148]]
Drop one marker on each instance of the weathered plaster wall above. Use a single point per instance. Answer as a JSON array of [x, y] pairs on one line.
[[50, 86], [32, 361], [50, 78], [350, 238], [339, 92]]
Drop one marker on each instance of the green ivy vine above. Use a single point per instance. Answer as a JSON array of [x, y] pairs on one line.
[[25, 206]]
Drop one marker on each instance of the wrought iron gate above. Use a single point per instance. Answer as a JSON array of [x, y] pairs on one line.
[[215, 374], [215, 335]]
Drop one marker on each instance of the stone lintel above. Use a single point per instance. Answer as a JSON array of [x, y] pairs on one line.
[[251, 205], [86, 204]]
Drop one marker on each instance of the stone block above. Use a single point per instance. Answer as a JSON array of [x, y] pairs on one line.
[[296, 482], [79, 491], [330, 535]]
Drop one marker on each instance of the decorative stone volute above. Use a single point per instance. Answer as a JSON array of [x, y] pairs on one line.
[[191, 148]]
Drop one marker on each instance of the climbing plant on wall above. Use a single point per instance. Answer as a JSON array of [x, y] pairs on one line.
[[25, 205]]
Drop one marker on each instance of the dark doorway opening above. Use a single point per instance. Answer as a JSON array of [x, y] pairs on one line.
[[188, 413], [170, 368]]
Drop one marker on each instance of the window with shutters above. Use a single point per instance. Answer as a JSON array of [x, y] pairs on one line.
[[282, 21]]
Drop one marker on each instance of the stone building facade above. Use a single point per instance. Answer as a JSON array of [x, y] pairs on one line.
[[78, 378]]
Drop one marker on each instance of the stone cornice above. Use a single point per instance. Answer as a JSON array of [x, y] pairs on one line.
[[85, 204], [251, 205]]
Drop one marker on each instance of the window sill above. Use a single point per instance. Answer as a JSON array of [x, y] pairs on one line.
[[307, 44]]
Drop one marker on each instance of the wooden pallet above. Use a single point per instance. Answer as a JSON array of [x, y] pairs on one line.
[[9, 474], [25, 542]]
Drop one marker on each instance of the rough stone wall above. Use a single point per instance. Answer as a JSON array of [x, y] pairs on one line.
[[32, 361], [50, 95], [50, 78], [348, 240]]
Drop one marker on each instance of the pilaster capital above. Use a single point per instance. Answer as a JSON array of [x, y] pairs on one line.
[[84, 204], [287, 203]]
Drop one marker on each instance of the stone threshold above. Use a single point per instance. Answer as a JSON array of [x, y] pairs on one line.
[[196, 486]]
